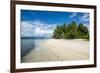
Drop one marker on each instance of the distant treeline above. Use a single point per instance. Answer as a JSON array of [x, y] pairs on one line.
[[71, 31]]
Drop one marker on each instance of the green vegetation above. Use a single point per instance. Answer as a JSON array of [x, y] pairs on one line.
[[71, 31]]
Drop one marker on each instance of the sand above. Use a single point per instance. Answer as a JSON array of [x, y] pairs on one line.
[[59, 50]]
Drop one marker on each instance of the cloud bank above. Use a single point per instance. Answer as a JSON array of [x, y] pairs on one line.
[[36, 29]]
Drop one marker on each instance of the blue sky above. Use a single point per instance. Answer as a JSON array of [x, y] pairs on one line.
[[41, 23]]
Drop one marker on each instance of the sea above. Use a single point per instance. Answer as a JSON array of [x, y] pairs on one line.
[[29, 43]]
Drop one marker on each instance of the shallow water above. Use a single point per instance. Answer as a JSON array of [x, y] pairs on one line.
[[28, 44]]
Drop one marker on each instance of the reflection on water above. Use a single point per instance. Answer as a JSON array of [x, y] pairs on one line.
[[28, 44]]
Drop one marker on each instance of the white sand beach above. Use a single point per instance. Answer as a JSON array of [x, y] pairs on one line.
[[59, 50]]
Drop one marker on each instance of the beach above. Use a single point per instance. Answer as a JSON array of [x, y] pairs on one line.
[[58, 50]]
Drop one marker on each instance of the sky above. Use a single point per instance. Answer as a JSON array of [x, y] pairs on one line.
[[42, 23]]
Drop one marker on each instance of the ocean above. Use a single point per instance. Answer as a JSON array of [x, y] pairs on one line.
[[27, 44]]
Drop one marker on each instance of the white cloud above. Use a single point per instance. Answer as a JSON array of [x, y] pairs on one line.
[[84, 18], [87, 25], [73, 15], [36, 29], [26, 29]]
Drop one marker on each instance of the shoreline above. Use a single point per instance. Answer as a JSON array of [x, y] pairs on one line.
[[59, 50]]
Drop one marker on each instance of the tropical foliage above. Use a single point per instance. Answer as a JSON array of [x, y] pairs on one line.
[[71, 31]]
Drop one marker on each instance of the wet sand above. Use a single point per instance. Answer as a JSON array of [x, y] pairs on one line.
[[59, 50]]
